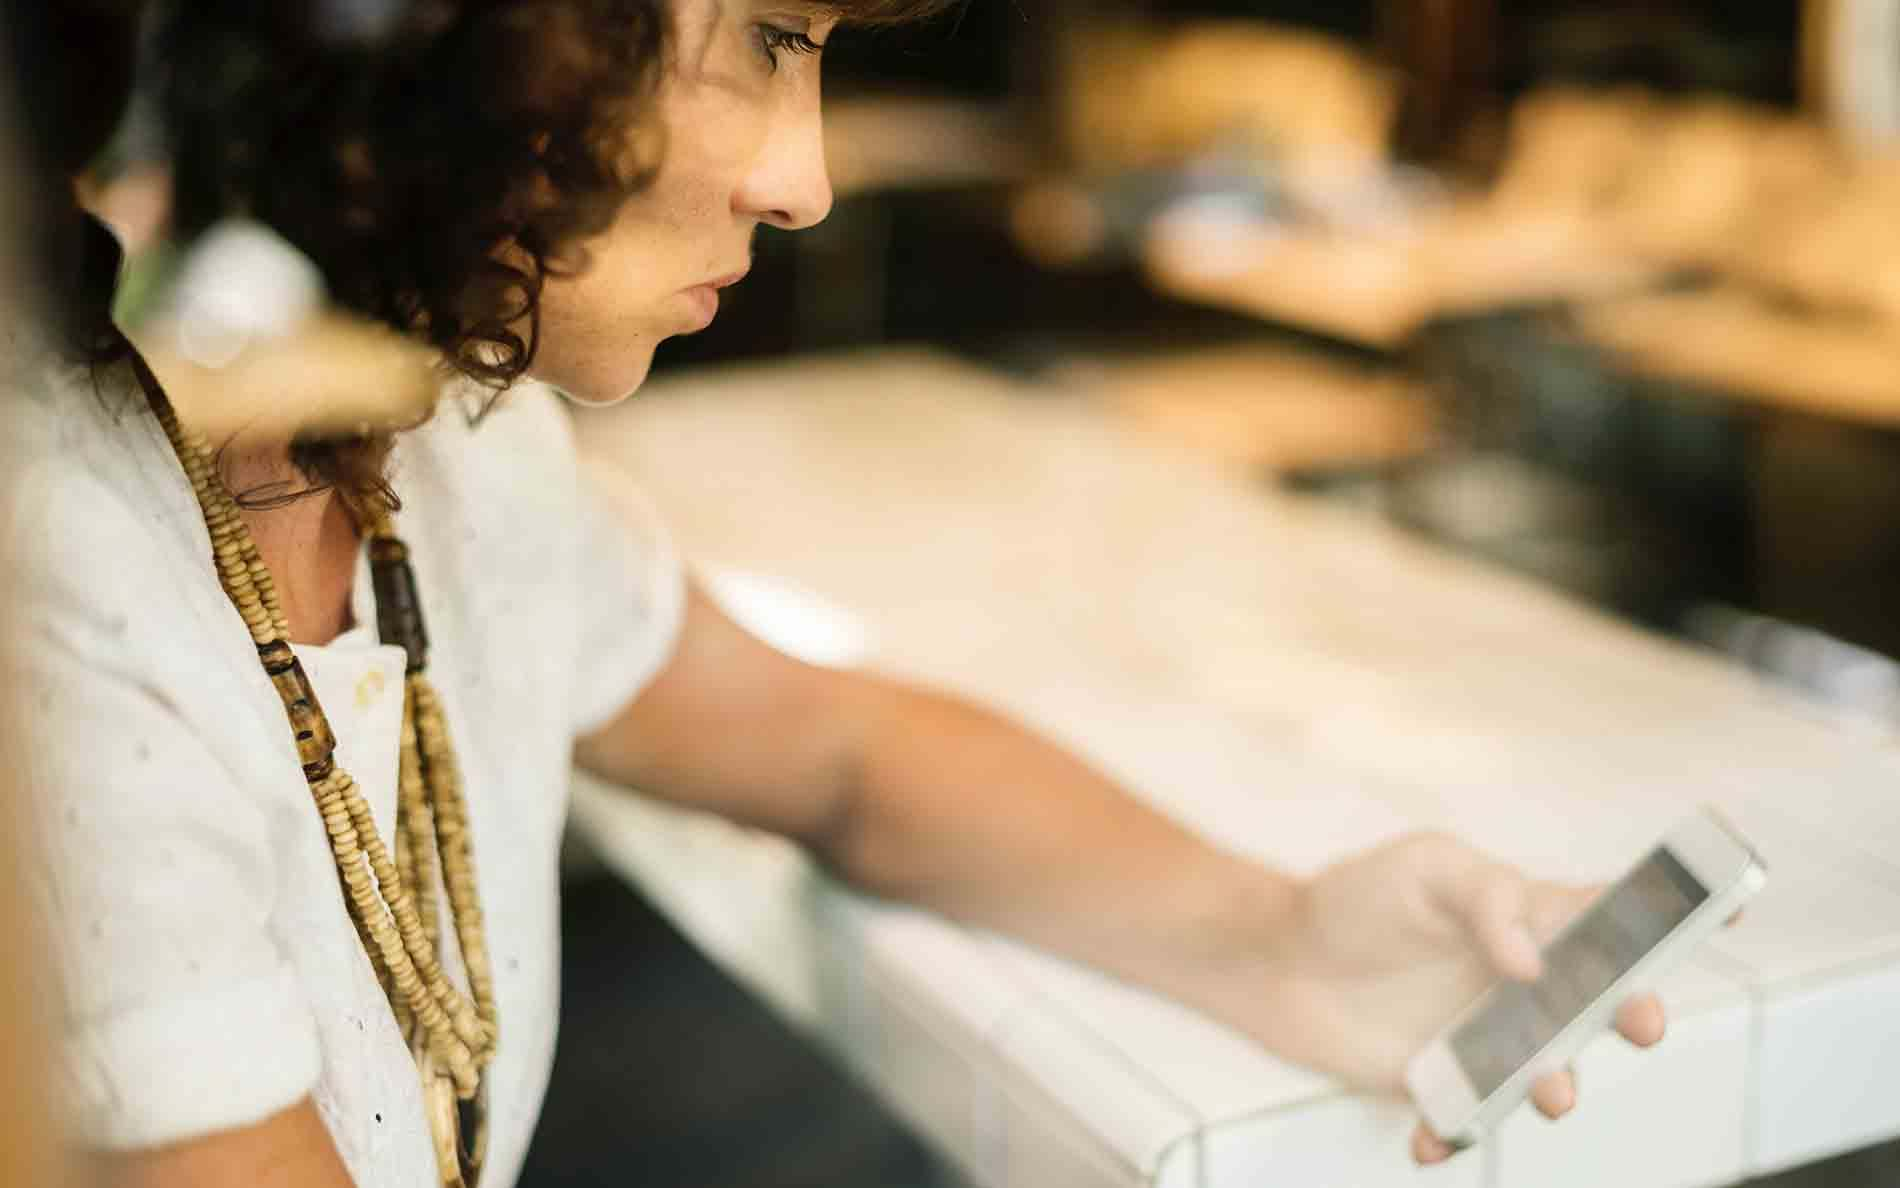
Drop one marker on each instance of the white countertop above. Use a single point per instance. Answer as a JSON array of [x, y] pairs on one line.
[[1297, 680]]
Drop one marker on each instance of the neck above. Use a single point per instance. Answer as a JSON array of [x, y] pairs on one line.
[[309, 544]]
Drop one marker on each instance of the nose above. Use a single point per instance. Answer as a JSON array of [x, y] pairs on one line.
[[787, 186]]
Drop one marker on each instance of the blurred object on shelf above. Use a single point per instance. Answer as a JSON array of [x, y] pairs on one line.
[[1743, 344], [1374, 264], [1850, 72], [1623, 490], [1749, 194], [1476, 259], [1066, 223], [1839, 252], [1060, 225], [1133, 96], [1682, 184], [1600, 195], [330, 373], [1860, 684], [239, 334], [899, 142], [1267, 407], [1378, 289], [239, 283], [1572, 150], [1360, 288], [1528, 517], [1713, 174]]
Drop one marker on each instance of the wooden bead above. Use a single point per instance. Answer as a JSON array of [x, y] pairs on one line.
[[315, 742], [392, 904], [398, 604]]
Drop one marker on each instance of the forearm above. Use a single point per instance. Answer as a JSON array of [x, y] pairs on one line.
[[917, 796], [956, 809], [922, 797]]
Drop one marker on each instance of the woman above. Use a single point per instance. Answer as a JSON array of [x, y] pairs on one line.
[[539, 189]]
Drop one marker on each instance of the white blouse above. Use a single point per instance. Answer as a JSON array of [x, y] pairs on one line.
[[210, 974]]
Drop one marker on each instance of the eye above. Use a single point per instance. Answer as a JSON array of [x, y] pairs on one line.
[[773, 40]]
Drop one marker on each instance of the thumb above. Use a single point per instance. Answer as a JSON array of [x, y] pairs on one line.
[[1496, 912], [1555, 905]]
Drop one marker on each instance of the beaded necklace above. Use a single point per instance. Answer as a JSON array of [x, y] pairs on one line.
[[391, 902]]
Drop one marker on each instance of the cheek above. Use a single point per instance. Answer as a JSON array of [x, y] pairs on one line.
[[600, 325], [596, 340], [713, 136]]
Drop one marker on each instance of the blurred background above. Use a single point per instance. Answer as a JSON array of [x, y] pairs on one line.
[[1609, 293], [1603, 293]]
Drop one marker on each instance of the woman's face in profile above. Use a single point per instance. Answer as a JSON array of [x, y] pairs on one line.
[[739, 102]]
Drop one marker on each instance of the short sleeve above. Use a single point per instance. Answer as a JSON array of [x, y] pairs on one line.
[[154, 870], [632, 595]]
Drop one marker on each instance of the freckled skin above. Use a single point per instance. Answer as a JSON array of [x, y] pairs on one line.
[[742, 147]]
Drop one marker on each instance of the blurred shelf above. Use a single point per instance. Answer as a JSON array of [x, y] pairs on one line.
[[1267, 407], [1740, 344], [908, 141], [1379, 288]]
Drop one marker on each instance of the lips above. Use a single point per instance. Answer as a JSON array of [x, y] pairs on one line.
[[704, 300]]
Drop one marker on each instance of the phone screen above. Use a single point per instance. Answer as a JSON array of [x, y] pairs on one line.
[[1627, 921]]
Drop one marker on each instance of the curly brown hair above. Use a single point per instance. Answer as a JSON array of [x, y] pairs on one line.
[[403, 168], [401, 164]]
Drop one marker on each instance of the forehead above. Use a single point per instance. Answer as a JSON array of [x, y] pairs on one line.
[[690, 14]]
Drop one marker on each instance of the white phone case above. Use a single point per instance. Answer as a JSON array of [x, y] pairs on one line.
[[1718, 857]]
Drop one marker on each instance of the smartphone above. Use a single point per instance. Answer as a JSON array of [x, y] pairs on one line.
[[1482, 1066]]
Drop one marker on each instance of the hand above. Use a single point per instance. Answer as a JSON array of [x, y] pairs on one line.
[[1383, 949]]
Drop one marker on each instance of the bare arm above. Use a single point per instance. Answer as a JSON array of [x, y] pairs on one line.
[[288, 1150], [919, 796]]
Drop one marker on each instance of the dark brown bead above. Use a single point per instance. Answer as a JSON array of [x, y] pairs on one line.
[[277, 658], [398, 604], [315, 742]]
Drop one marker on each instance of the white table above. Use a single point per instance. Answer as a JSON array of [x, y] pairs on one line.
[[1298, 681]]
